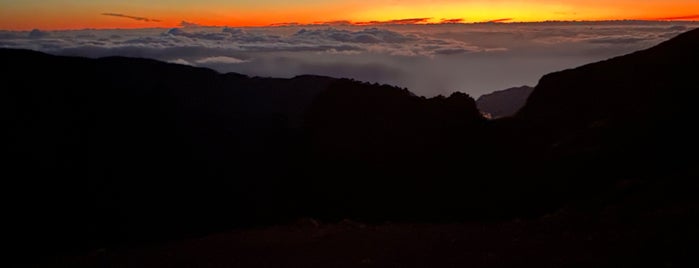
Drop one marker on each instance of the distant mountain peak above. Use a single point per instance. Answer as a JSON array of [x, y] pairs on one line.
[[503, 103]]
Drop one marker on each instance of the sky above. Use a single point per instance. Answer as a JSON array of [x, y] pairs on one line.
[[80, 14]]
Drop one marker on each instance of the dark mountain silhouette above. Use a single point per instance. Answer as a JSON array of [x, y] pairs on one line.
[[643, 82], [619, 121], [505, 102], [121, 151], [631, 113], [380, 147]]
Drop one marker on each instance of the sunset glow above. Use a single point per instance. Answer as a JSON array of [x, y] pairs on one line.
[[77, 14]]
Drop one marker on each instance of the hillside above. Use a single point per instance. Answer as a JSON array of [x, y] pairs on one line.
[[631, 114], [120, 150], [504, 103]]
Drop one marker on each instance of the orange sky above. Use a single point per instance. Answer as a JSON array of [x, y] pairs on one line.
[[78, 14]]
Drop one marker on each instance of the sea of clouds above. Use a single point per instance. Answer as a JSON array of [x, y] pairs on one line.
[[427, 59]]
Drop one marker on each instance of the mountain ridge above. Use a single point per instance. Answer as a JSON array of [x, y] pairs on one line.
[[128, 138]]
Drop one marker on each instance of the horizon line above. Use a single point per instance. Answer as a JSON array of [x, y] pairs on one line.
[[397, 22]]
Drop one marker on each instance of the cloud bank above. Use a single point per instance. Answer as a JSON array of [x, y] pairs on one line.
[[427, 59]]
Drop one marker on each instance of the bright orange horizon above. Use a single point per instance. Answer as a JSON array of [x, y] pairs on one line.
[[80, 14]]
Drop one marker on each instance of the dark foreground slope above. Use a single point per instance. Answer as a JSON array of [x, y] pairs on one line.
[[633, 114], [119, 150], [609, 130]]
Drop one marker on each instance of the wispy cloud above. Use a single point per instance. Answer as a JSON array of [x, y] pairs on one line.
[[500, 20], [688, 17], [279, 24], [221, 60], [335, 23], [459, 20], [130, 17], [399, 21]]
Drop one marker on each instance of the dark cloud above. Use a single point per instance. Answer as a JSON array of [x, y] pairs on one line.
[[450, 51], [500, 20], [281, 24], [687, 17], [399, 21], [452, 20], [336, 23], [130, 17]]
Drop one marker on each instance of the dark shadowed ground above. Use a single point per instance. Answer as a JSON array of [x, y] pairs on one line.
[[628, 233]]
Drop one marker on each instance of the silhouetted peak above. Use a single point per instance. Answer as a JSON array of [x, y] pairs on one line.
[[461, 104], [459, 96], [659, 79], [36, 33], [176, 31], [236, 76]]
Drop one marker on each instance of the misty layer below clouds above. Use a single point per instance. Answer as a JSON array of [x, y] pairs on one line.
[[428, 59]]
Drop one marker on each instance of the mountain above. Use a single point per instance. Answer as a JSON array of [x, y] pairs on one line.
[[123, 150], [644, 82], [505, 102], [632, 113], [119, 149]]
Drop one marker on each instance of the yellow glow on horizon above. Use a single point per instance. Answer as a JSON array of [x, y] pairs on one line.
[[523, 11], [467, 12]]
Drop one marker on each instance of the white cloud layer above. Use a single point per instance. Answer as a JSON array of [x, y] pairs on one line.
[[220, 60], [427, 59]]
